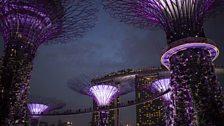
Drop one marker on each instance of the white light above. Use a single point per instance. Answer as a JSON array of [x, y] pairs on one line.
[[37, 109], [103, 94]]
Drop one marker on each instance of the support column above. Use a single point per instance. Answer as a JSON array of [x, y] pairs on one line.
[[193, 75], [15, 77]]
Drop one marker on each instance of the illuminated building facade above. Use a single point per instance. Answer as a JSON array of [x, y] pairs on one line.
[[148, 114], [114, 114]]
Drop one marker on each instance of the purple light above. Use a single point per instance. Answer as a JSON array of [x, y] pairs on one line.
[[35, 28], [103, 94], [213, 50], [161, 86], [36, 109], [152, 9], [166, 14]]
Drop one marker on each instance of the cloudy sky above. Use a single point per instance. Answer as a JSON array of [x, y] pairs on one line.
[[108, 47]]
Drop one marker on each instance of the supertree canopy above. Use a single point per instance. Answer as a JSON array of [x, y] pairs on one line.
[[103, 94], [25, 25], [189, 54], [162, 85], [36, 108], [179, 18], [40, 105]]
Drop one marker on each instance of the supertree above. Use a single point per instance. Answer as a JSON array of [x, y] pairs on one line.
[[189, 55], [25, 25], [103, 93], [36, 109], [40, 105]]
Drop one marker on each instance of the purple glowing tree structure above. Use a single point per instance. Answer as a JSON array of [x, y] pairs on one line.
[[103, 93], [25, 25], [189, 55], [40, 105], [36, 109]]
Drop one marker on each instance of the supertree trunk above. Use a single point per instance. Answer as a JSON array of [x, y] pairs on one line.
[[17, 67], [103, 121], [181, 103], [193, 75], [168, 113]]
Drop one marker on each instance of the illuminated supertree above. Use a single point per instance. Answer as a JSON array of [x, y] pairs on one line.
[[189, 55], [103, 94], [38, 106], [36, 109], [25, 25]]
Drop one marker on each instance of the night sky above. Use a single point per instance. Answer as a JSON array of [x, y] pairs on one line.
[[108, 47]]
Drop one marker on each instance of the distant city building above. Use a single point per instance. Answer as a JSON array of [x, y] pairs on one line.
[[113, 118], [148, 114], [114, 114]]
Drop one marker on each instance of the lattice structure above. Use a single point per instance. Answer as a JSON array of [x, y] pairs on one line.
[[179, 18], [36, 108], [103, 94], [25, 25], [182, 20], [162, 85]]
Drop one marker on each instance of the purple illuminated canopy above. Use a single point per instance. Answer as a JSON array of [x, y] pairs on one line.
[[166, 14], [36, 109], [38, 21], [147, 12], [103, 94], [162, 85]]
